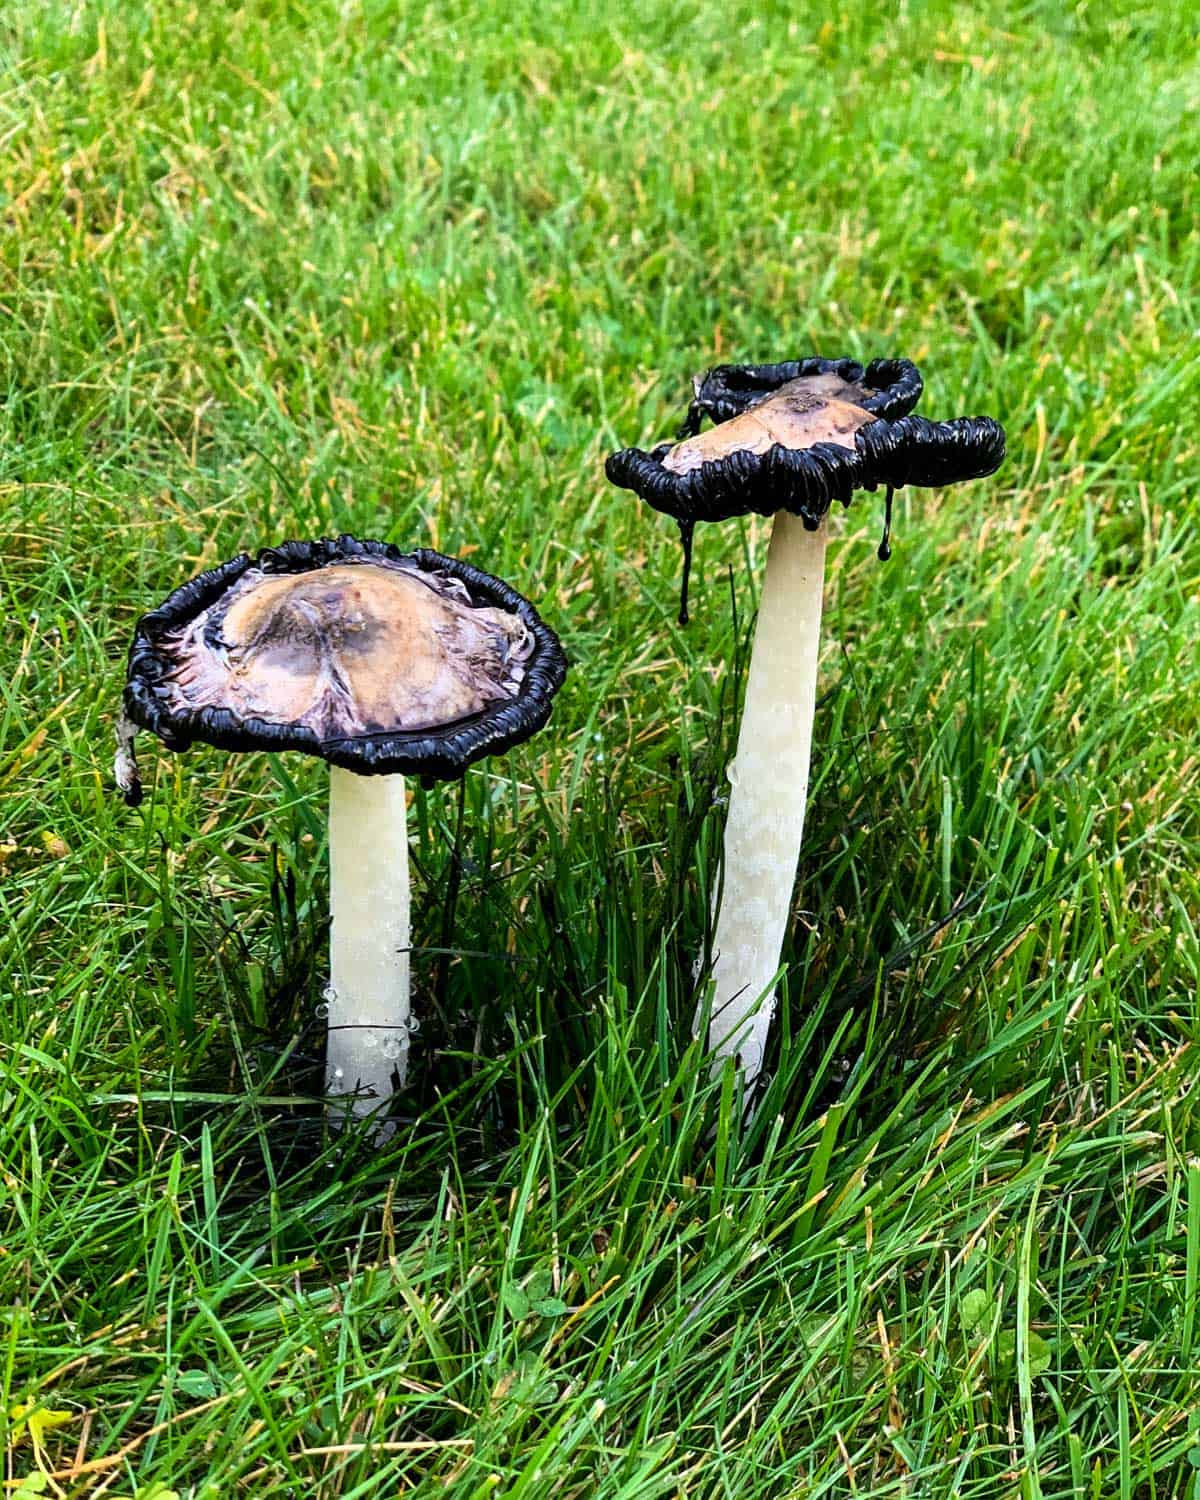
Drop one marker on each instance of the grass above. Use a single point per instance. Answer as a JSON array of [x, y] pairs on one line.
[[294, 266]]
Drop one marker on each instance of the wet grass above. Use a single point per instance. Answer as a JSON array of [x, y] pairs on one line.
[[284, 269]]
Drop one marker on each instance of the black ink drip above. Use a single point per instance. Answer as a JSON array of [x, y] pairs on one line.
[[686, 528], [885, 543]]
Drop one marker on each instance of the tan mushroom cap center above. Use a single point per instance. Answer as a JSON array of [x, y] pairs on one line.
[[355, 648], [811, 409]]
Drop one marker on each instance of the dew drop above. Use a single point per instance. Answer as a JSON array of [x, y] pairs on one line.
[[321, 1011]]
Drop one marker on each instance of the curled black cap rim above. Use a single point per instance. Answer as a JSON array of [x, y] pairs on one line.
[[442, 754], [726, 391]]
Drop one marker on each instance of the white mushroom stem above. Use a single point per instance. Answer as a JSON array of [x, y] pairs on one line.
[[768, 790], [366, 1055]]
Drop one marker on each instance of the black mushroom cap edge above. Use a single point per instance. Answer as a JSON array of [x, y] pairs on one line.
[[894, 450], [431, 754], [728, 390]]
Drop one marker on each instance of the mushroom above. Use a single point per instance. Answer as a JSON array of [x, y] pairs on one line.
[[384, 664], [789, 439]]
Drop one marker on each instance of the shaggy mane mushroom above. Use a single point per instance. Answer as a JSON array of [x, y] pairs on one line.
[[788, 440], [384, 664]]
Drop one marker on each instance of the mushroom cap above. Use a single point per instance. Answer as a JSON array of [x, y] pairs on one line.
[[376, 660], [799, 435]]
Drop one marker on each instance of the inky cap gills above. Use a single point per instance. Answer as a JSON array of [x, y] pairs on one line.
[[376, 660]]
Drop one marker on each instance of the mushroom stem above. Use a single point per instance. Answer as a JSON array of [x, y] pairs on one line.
[[768, 789], [366, 1055]]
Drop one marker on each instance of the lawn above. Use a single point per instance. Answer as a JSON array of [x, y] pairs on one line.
[[298, 267]]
